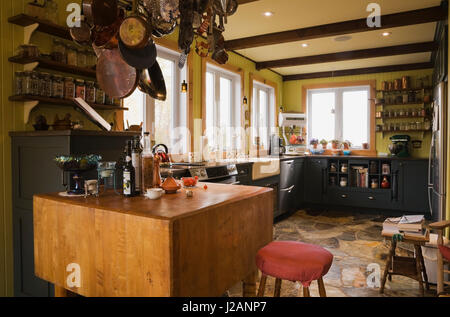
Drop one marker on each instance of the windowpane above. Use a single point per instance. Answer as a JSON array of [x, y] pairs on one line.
[[225, 102], [263, 119], [135, 104], [209, 100], [163, 109], [323, 116], [355, 117]]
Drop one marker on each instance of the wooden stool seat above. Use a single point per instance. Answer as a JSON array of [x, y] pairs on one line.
[[295, 262]]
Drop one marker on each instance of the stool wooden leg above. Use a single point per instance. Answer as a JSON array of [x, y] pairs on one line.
[[388, 265], [322, 291], [306, 292], [277, 292], [419, 271], [262, 286], [249, 285], [424, 269]]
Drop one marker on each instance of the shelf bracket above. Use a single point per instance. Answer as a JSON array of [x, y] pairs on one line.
[[28, 106], [28, 32], [30, 67]]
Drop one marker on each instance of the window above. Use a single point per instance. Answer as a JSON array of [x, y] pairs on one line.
[[223, 109], [166, 120], [263, 112], [340, 113]]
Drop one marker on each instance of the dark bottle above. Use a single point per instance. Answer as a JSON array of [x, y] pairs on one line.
[[136, 161], [129, 173]]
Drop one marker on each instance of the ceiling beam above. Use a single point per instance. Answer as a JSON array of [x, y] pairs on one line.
[[350, 55], [241, 2], [359, 71], [427, 15]]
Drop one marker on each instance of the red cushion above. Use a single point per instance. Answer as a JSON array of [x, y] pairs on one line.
[[294, 261], [445, 252]]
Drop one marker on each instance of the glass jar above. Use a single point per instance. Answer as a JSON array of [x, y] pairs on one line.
[[18, 81], [90, 92], [51, 11], [69, 88], [72, 55], [59, 51], [414, 113], [58, 87], [26, 83], [419, 125], [108, 100], [423, 112], [92, 59], [28, 50], [412, 126], [81, 58], [80, 89], [427, 125], [34, 84], [99, 95], [45, 85]]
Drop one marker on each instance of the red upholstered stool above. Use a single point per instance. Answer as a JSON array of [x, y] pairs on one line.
[[295, 262]]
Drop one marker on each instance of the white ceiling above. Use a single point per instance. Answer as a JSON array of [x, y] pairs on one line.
[[293, 14]]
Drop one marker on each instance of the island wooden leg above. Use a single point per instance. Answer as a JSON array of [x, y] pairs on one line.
[[249, 285], [419, 271], [388, 265], [424, 269]]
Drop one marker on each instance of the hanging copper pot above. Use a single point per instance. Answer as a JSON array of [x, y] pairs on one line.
[[100, 12], [151, 82], [116, 78], [107, 36], [135, 32], [142, 58], [82, 35]]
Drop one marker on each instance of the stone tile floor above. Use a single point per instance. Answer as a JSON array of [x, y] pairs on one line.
[[355, 241]]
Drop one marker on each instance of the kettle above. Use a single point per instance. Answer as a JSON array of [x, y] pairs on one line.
[[163, 151]]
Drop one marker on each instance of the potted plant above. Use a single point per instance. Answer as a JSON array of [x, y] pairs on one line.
[[324, 143], [314, 143], [335, 144], [347, 145]]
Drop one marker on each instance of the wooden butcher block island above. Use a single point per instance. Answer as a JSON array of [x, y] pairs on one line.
[[175, 246]]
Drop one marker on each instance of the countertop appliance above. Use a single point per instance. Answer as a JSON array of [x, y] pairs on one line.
[[276, 146], [289, 123], [400, 145], [438, 155]]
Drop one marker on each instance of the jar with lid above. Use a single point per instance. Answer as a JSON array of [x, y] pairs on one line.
[[407, 112], [412, 126], [90, 92], [18, 81], [374, 184], [419, 126], [99, 95], [402, 113], [81, 58], [427, 124], [28, 50], [59, 51], [51, 11], [108, 100], [423, 112], [34, 83], [72, 55], [414, 113], [45, 85], [26, 83], [80, 89], [92, 59], [69, 88], [58, 87]]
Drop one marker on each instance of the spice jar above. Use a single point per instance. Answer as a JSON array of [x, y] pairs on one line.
[[26, 83], [343, 182], [81, 58], [108, 100], [90, 92], [374, 183], [57, 87], [99, 95], [28, 50], [59, 51], [427, 125], [69, 88], [80, 89], [419, 125], [414, 113], [34, 84], [45, 85], [72, 56], [18, 81]]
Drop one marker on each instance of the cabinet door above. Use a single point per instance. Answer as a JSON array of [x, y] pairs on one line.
[[315, 184], [299, 190], [413, 186]]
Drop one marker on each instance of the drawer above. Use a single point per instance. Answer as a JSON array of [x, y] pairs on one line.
[[361, 199]]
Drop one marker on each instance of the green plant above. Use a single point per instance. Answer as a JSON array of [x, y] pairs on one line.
[[347, 144], [324, 142], [314, 142]]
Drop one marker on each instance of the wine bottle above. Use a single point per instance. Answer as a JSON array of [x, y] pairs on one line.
[[129, 173], [136, 161]]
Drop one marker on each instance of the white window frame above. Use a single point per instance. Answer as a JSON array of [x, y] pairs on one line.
[[339, 108], [270, 111], [235, 110]]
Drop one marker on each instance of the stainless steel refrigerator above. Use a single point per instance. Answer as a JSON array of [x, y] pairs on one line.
[[437, 190]]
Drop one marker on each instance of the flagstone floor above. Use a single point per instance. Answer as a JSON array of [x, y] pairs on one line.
[[355, 241]]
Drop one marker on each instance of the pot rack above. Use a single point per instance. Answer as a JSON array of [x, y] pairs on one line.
[[31, 25]]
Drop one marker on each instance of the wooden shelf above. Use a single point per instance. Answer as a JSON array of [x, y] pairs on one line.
[[56, 101], [403, 131], [405, 90], [403, 104], [403, 117], [44, 26], [49, 64]]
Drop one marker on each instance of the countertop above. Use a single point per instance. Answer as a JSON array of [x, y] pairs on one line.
[[71, 133]]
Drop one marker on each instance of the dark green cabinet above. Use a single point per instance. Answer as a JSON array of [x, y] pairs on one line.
[[412, 186], [34, 172], [299, 179], [315, 181]]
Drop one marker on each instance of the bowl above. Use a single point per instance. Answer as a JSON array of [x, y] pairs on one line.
[[190, 182], [154, 193], [77, 162]]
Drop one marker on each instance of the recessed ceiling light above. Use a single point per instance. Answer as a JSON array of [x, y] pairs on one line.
[[268, 14], [305, 44], [343, 38], [386, 33]]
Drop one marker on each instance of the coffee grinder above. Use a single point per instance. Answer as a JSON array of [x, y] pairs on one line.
[[400, 145]]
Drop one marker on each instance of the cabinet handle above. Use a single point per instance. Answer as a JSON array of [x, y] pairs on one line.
[[344, 196], [371, 198]]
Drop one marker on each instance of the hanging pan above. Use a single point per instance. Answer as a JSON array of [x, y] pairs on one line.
[[142, 58], [115, 76], [82, 35], [106, 36], [151, 82], [100, 12], [135, 32]]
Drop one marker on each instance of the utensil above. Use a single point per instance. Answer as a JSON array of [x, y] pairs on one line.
[[151, 82], [186, 36], [106, 36], [116, 78], [100, 12], [135, 32], [139, 58], [82, 35]]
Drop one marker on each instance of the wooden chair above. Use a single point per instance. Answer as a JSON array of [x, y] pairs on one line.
[[443, 255]]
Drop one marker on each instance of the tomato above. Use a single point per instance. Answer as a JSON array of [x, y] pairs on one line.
[[205, 187]]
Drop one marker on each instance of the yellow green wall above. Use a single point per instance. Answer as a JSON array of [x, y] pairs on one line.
[[293, 94]]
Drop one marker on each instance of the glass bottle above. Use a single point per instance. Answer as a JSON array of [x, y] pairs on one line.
[[26, 83], [147, 164], [129, 174], [18, 81], [136, 161]]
